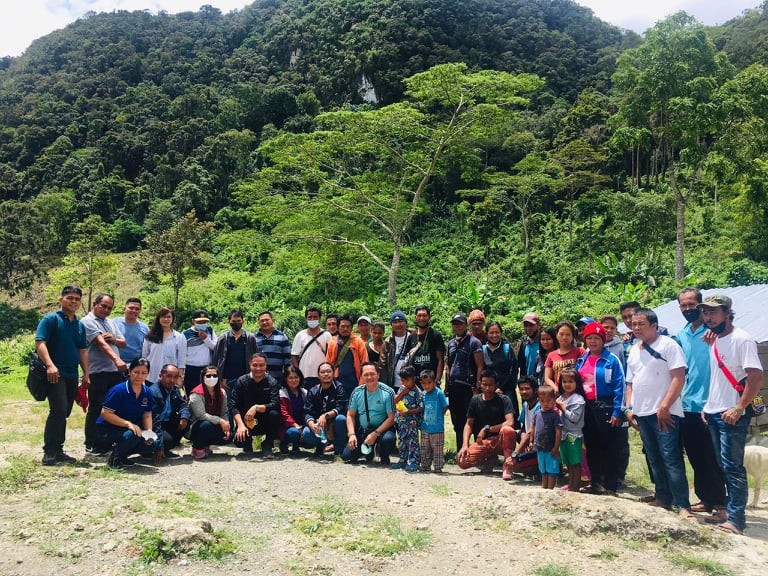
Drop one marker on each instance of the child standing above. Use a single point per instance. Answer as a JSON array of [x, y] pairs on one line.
[[409, 412], [547, 432], [571, 404], [433, 427]]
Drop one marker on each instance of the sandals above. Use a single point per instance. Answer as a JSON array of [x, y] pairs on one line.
[[658, 504], [729, 528], [701, 507], [719, 516], [596, 489]]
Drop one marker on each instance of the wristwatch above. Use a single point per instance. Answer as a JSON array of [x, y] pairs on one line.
[[487, 429]]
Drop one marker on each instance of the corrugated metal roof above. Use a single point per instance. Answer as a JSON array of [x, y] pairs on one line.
[[750, 306]]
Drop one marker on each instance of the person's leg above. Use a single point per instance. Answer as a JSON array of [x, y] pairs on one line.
[[478, 455], [386, 446], [733, 441], [426, 452], [291, 439], [340, 434], [348, 455], [649, 434], [268, 425], [309, 440], [205, 433], [708, 478], [592, 442], [61, 397], [97, 391], [191, 378], [674, 467], [412, 453], [459, 402]]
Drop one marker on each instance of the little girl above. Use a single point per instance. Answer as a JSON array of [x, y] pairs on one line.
[[571, 405]]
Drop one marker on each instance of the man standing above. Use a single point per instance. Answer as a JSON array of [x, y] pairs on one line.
[[708, 479], [256, 407], [428, 352], [170, 413], [346, 353], [105, 365], [133, 330], [310, 347], [465, 363], [655, 376], [234, 349], [491, 418], [201, 342], [364, 328], [332, 324], [370, 418], [60, 342], [396, 347], [736, 375], [528, 353], [274, 344]]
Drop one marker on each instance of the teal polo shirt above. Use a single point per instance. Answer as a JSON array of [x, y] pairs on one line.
[[380, 404], [64, 348], [696, 387]]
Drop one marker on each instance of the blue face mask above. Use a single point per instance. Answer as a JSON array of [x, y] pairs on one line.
[[201, 327]]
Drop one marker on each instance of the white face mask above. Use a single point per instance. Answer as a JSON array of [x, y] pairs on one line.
[[313, 323], [211, 381]]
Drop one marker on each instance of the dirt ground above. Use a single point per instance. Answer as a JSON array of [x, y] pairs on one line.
[[302, 515]]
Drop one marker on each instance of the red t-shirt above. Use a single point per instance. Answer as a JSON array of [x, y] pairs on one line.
[[559, 362]]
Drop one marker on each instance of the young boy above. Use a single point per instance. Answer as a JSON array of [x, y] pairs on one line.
[[409, 411], [433, 427], [547, 431]]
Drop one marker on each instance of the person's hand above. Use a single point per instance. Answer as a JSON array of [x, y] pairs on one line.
[[202, 334], [320, 423], [352, 442], [224, 427], [731, 416], [53, 374], [183, 424], [157, 457], [630, 416], [121, 366], [560, 405], [615, 422], [709, 337], [241, 434], [371, 439], [664, 418], [555, 452], [251, 413], [108, 338], [133, 428], [462, 455]]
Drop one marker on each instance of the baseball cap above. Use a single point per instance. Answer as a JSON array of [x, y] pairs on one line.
[[585, 320], [715, 301], [364, 319], [459, 318], [200, 315], [531, 318], [396, 316]]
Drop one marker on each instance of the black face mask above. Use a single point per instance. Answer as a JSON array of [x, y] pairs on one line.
[[692, 315], [719, 329], [235, 325]]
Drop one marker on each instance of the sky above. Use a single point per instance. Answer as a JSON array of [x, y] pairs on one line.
[[22, 21]]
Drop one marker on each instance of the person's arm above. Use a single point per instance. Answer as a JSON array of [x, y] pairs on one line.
[[466, 433], [549, 376], [110, 417], [352, 437], [209, 340], [754, 383], [558, 437], [84, 366], [42, 351], [104, 346], [285, 413], [617, 385], [479, 364], [673, 393], [440, 364]]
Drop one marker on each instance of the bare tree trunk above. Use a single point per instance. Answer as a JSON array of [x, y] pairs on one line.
[[680, 237], [394, 268]]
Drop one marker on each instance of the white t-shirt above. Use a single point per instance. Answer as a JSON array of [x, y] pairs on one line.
[[650, 377], [315, 354], [738, 352]]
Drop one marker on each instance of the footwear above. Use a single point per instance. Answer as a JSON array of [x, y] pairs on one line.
[[686, 514], [116, 463], [718, 516], [172, 455], [248, 449], [63, 458], [730, 528], [658, 504], [437, 471], [49, 459], [208, 450], [701, 507], [396, 465], [199, 454], [385, 461], [411, 468], [648, 498], [565, 488], [96, 451], [506, 472]]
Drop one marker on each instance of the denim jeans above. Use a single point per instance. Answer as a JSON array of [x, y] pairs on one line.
[[205, 433], [340, 433], [665, 459], [386, 444], [124, 443], [729, 441]]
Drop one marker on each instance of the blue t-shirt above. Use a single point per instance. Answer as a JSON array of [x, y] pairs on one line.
[[122, 401], [380, 404], [63, 348], [435, 404], [696, 387], [134, 339]]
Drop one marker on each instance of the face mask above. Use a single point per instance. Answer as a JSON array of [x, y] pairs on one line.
[[235, 325], [201, 327], [719, 329], [692, 315], [313, 323], [210, 381]]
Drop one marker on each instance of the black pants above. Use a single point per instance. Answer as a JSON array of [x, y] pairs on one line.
[[101, 382], [61, 397], [192, 378], [458, 403], [604, 443], [708, 477], [267, 425]]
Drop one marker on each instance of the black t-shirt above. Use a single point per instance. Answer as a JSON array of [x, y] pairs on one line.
[[492, 412], [425, 356]]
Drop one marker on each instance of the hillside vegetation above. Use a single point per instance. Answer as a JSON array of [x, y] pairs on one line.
[[364, 155]]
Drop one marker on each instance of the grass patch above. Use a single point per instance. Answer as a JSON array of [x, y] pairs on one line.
[[329, 514], [553, 570], [390, 538], [441, 489], [19, 475], [155, 546], [605, 555], [709, 567]]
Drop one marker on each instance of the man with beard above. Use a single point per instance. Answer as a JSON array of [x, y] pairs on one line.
[[429, 350]]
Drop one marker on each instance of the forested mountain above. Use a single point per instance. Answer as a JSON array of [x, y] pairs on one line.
[[115, 128]]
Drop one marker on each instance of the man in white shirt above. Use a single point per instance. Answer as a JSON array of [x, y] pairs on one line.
[[655, 375], [736, 375], [310, 346]]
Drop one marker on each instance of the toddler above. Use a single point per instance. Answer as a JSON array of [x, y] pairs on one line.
[[409, 411], [547, 432]]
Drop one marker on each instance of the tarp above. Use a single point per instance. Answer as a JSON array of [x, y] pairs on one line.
[[750, 307]]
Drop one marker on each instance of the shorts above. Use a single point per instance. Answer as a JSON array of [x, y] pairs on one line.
[[570, 450], [548, 464]]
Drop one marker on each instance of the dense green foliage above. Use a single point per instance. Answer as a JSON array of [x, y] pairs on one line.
[[302, 131]]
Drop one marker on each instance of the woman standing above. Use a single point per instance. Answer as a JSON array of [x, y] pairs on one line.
[[210, 416], [565, 356], [125, 423], [499, 356], [547, 343], [164, 345], [376, 345], [604, 435]]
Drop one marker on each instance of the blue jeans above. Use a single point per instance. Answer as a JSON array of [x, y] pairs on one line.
[[729, 441], [124, 443], [386, 444], [340, 433], [205, 433], [665, 458]]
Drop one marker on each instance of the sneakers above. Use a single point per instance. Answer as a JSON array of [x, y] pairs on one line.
[[412, 468], [396, 465], [63, 458], [116, 463], [172, 455], [95, 451], [385, 461], [49, 459], [199, 454]]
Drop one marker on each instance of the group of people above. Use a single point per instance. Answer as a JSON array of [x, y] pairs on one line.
[[563, 399]]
